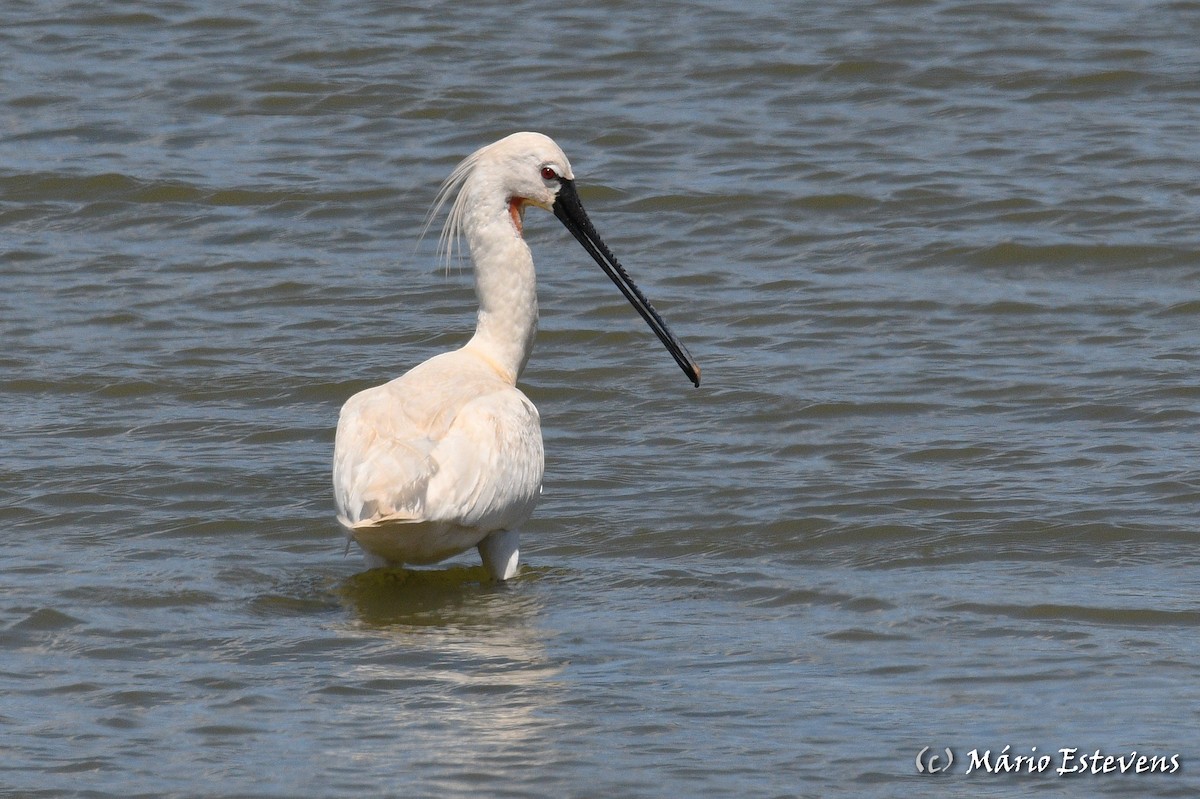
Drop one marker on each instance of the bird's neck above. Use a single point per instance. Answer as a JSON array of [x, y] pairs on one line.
[[506, 286]]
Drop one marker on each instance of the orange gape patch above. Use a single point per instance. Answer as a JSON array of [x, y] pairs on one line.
[[514, 210]]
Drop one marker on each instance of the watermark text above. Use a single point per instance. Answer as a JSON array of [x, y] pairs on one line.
[[1067, 761]]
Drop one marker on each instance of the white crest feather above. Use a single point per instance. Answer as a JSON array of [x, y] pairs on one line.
[[452, 229]]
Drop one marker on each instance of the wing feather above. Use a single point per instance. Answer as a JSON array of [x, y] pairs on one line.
[[446, 442], [380, 471], [489, 465]]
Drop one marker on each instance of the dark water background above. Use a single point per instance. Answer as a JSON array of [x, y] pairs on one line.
[[938, 261]]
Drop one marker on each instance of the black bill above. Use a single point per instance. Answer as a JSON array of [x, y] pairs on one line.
[[569, 211]]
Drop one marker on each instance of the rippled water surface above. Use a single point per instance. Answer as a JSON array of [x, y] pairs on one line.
[[939, 488]]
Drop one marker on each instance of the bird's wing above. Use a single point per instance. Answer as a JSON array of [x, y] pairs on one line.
[[489, 464], [466, 450], [381, 463]]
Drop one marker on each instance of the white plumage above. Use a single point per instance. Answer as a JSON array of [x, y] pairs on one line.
[[449, 456]]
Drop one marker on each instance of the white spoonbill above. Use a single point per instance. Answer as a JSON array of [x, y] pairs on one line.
[[449, 456]]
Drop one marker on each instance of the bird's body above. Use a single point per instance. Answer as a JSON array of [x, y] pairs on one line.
[[449, 455], [434, 461]]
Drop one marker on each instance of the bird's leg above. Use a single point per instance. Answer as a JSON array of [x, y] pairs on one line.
[[499, 553]]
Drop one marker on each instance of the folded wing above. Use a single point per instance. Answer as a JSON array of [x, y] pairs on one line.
[[405, 454]]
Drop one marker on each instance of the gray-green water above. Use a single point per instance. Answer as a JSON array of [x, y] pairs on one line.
[[940, 487]]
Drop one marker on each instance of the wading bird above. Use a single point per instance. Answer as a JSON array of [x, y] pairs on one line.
[[449, 456]]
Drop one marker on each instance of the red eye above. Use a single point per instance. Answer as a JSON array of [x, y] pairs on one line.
[[548, 173]]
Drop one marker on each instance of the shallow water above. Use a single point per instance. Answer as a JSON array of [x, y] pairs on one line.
[[939, 487]]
